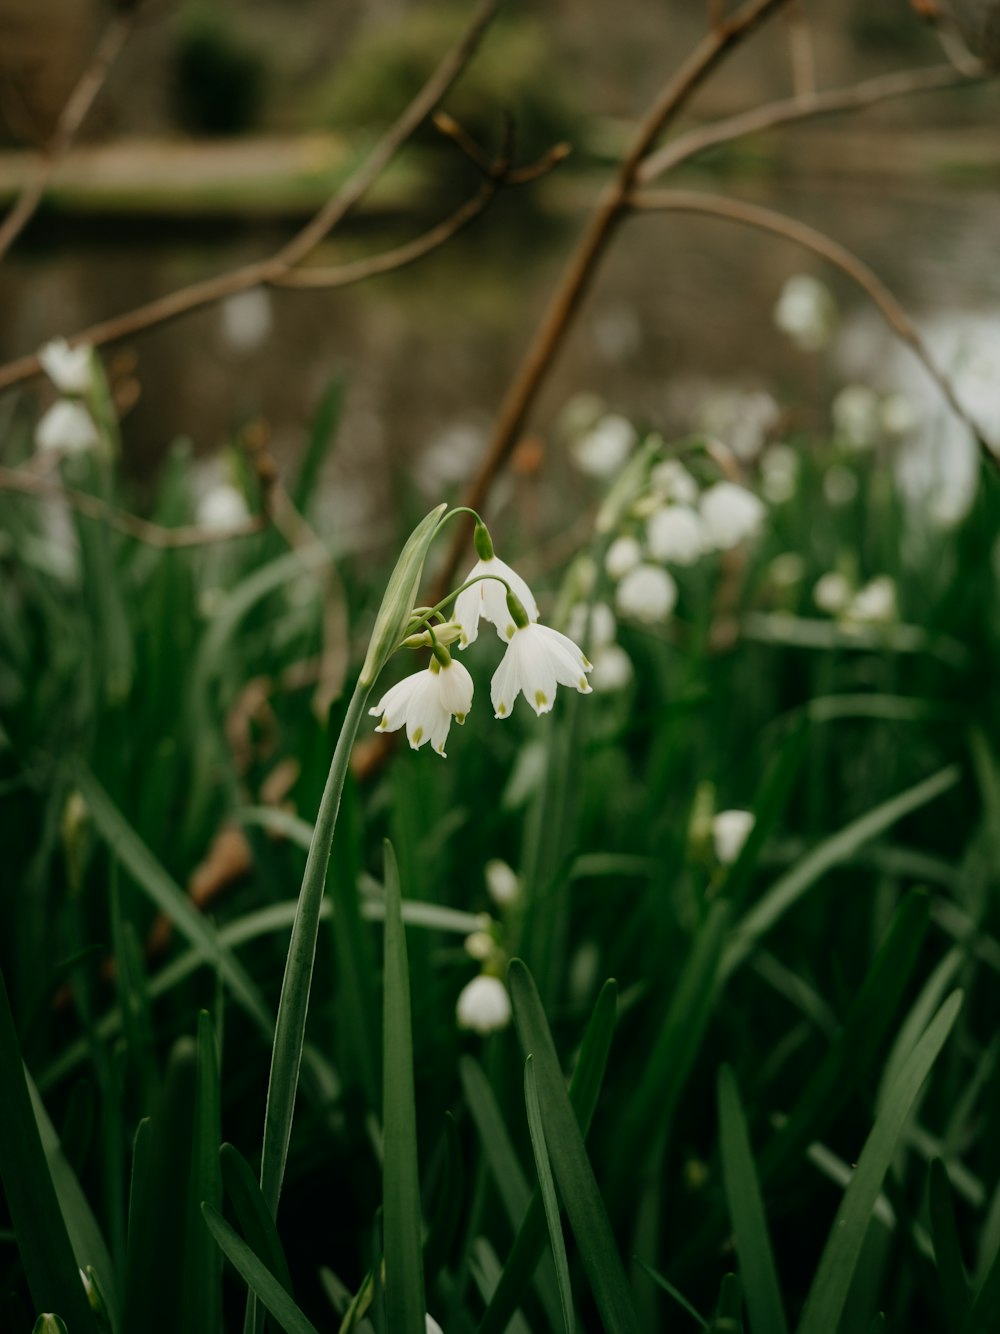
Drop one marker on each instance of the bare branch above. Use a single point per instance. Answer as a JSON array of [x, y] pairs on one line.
[[779, 224], [73, 114]]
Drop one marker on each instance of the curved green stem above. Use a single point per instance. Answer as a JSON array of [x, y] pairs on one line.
[[422, 621]]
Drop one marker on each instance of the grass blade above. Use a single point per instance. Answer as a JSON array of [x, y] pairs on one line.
[[252, 1214], [584, 1206], [443, 1227], [830, 1287], [405, 1303], [260, 1280], [947, 1250], [729, 1312], [671, 1291], [202, 1276], [746, 1209], [548, 1190]]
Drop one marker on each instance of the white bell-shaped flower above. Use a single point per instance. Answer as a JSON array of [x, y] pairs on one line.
[[67, 427], [600, 619], [602, 451], [833, 592], [483, 1005], [502, 882], [432, 1326], [674, 534], [537, 660], [730, 830], [647, 593], [426, 702], [806, 312], [612, 669], [623, 554], [69, 368], [487, 598], [671, 481], [875, 604], [730, 515], [222, 507]]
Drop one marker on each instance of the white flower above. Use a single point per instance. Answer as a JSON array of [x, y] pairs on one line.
[[647, 593], [856, 416], [624, 554], [806, 312], [779, 473], [432, 1325], [730, 830], [875, 603], [674, 534], [502, 882], [671, 480], [246, 319], [787, 569], [488, 599], [832, 592], [840, 486], [742, 420], [426, 703], [69, 368], [222, 507], [731, 514], [602, 451], [67, 426], [479, 946], [483, 1005], [599, 617], [612, 669], [537, 659]]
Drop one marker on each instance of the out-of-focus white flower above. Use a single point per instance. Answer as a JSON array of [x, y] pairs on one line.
[[647, 593], [742, 421], [731, 514], [432, 1326], [624, 554], [488, 599], [450, 458], [68, 427], [70, 369], [730, 830], [898, 416], [875, 603], [779, 473], [840, 485], [537, 660], [502, 882], [483, 1005], [479, 946], [612, 669], [599, 617], [674, 534], [246, 319], [856, 416], [426, 702], [222, 507], [833, 592], [672, 481], [602, 451], [787, 569], [806, 312]]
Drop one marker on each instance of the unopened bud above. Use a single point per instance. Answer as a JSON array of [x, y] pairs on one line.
[[516, 608], [483, 542]]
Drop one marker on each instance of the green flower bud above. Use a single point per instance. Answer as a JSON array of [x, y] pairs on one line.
[[516, 608], [400, 595], [483, 542]]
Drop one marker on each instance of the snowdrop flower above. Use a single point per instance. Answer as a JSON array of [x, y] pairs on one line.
[[246, 319], [502, 883], [69, 368], [647, 593], [479, 946], [730, 514], [599, 617], [612, 669], [898, 416], [779, 473], [840, 486], [674, 534], [537, 660], [67, 427], [875, 603], [602, 451], [855, 413], [832, 592], [730, 830], [426, 702], [432, 1325], [742, 420], [806, 312], [222, 507], [671, 480], [483, 1005], [487, 599], [624, 554]]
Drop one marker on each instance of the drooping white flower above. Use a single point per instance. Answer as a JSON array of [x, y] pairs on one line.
[[68, 427], [647, 593], [432, 1325], [806, 312], [730, 830], [487, 599], [602, 450], [483, 1005], [502, 882], [537, 660], [731, 514], [779, 473], [832, 592], [623, 554], [612, 669], [246, 319], [856, 416], [426, 702], [874, 604], [479, 946], [222, 507], [742, 421], [674, 534], [672, 481], [601, 620], [69, 368]]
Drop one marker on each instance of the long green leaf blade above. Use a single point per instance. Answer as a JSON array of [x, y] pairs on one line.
[[550, 1203], [259, 1279], [947, 1250], [202, 1276]]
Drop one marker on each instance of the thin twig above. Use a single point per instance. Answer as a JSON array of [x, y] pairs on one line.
[[276, 266], [80, 101], [800, 51], [726, 34], [779, 224], [855, 97]]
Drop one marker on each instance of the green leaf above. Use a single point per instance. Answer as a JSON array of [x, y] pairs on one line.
[[400, 596], [729, 1312], [252, 1214], [671, 1291], [831, 1284], [259, 1279], [443, 1226], [746, 1209], [508, 1176], [947, 1250], [202, 1274], [47, 1323], [775, 791], [578, 1186], [322, 433], [549, 1201], [50, 1266], [402, 1223]]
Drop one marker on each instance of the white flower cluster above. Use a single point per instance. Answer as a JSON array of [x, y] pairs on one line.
[[874, 603], [67, 427], [537, 660]]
